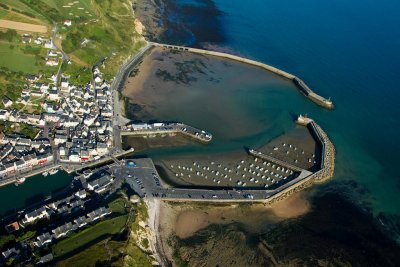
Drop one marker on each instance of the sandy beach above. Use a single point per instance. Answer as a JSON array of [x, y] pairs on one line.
[[183, 220]]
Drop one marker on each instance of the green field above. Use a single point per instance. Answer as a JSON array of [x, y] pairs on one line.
[[80, 239], [104, 253], [72, 9], [22, 7], [15, 59]]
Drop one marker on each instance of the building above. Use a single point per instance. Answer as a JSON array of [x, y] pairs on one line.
[[102, 182], [43, 239], [7, 101], [63, 230], [35, 215]]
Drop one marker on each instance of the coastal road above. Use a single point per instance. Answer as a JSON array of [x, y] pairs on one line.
[[118, 117]]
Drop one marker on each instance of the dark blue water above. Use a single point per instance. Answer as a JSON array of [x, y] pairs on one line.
[[348, 50]]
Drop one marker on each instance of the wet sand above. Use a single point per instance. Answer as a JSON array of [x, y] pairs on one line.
[[184, 220]]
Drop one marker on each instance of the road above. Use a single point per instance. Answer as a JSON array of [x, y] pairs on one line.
[[64, 57], [118, 116]]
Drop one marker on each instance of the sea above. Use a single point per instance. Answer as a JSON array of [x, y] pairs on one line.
[[345, 50]]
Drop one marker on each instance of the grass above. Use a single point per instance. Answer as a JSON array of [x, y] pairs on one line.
[[91, 234], [112, 35], [17, 58], [104, 253], [82, 9], [22, 128], [136, 257], [20, 6], [15, 16], [118, 206]]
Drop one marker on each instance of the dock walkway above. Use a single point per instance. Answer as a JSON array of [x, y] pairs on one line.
[[166, 129]]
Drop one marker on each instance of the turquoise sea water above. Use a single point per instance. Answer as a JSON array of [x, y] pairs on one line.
[[347, 50]]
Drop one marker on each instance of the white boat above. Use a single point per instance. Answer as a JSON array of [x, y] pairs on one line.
[[53, 171], [19, 181], [45, 173]]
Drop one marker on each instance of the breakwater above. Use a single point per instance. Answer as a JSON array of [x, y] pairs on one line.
[[145, 129], [300, 84], [327, 166]]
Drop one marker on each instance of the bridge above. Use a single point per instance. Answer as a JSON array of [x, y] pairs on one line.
[[300, 84]]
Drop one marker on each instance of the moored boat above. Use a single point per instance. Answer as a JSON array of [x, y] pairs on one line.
[[53, 171], [19, 181]]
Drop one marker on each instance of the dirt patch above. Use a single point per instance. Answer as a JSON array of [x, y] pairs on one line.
[[20, 26]]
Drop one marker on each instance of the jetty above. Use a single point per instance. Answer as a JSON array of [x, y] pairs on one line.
[[300, 84], [156, 129]]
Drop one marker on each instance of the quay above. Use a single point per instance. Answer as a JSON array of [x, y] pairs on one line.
[[303, 88], [70, 168], [174, 128], [27, 174]]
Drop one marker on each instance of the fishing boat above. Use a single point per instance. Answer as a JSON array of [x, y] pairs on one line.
[[87, 173], [19, 181], [53, 171]]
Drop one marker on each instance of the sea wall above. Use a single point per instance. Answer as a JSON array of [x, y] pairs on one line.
[[325, 173], [300, 84]]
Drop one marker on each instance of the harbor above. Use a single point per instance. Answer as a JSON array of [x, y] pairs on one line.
[[155, 129]]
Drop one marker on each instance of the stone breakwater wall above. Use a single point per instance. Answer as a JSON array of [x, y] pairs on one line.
[[325, 173], [303, 88]]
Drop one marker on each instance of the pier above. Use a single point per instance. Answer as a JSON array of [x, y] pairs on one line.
[[300, 84], [154, 129]]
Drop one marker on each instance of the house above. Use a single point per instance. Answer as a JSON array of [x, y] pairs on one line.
[[44, 159], [35, 215], [60, 139], [67, 22], [4, 114], [9, 252], [52, 53], [12, 227], [53, 94], [32, 78], [3, 171], [64, 82], [20, 164], [102, 182], [52, 61], [43, 239], [10, 167], [80, 222], [7, 101], [81, 194], [63, 230], [98, 213], [101, 148], [49, 44]]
